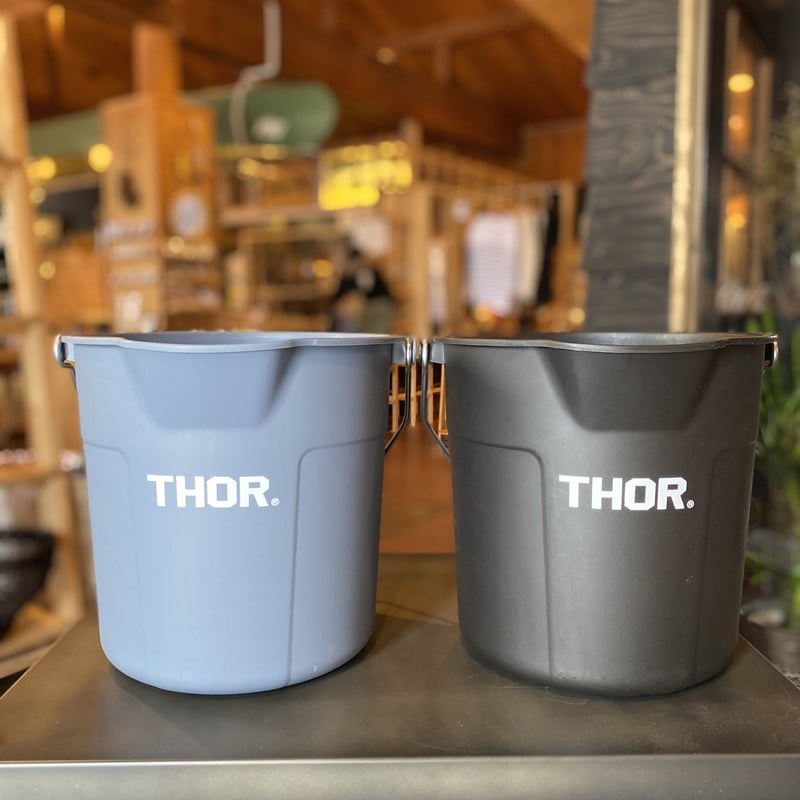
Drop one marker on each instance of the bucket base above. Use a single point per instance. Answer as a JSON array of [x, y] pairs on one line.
[[197, 684], [591, 685]]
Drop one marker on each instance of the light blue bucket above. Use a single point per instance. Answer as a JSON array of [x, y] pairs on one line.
[[234, 496]]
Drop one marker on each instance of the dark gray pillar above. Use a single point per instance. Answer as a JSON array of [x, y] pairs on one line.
[[630, 164]]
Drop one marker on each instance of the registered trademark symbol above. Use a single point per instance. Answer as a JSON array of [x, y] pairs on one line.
[[690, 504], [276, 502]]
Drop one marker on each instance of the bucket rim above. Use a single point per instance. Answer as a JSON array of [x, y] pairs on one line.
[[619, 342], [230, 341]]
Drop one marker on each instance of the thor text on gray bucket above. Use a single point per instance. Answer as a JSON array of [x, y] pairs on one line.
[[634, 494]]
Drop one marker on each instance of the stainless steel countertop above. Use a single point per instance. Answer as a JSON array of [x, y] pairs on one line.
[[412, 716]]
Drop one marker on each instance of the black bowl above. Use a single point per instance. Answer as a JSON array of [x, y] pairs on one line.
[[25, 557]]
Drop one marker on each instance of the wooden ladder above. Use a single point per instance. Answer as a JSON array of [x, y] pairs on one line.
[[60, 605]]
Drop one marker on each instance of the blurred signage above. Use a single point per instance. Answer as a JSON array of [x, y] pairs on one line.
[[356, 176]]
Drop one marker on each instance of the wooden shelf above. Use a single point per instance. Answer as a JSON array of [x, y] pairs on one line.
[[13, 324], [246, 215], [192, 305], [26, 473], [37, 625], [302, 232], [288, 292], [9, 360]]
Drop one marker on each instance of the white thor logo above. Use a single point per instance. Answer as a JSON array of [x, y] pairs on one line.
[[218, 491], [635, 494]]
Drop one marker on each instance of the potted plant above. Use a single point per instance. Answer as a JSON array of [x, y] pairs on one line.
[[781, 191], [772, 591], [776, 500], [771, 618]]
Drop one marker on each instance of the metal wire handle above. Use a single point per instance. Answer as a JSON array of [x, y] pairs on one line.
[[409, 364], [424, 360]]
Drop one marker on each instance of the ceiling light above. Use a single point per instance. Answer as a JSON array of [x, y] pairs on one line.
[[322, 268], [55, 17], [736, 122], [42, 169], [271, 152], [47, 270], [249, 167], [736, 221], [387, 149], [741, 82], [576, 316], [41, 227], [99, 157], [386, 55]]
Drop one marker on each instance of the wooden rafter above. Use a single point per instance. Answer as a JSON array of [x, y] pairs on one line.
[[433, 79], [355, 75], [456, 31], [129, 12], [569, 21], [14, 9], [448, 111]]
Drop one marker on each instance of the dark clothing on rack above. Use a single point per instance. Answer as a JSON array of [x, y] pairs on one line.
[[363, 301], [367, 281], [545, 293]]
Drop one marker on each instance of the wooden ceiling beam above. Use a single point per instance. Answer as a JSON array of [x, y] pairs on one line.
[[126, 13], [355, 75], [456, 31], [53, 24], [156, 59], [22, 8], [359, 79], [570, 22], [449, 112]]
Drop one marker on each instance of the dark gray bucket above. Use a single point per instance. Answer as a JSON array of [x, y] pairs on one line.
[[234, 496], [601, 488]]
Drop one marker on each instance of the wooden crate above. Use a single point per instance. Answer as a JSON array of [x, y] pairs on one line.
[[157, 202], [77, 293]]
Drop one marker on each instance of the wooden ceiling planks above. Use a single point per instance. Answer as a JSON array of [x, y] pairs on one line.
[[37, 62], [96, 61], [90, 63], [472, 72], [569, 21], [451, 112], [541, 80]]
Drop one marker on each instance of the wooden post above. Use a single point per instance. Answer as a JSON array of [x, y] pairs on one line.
[[687, 184], [156, 60], [634, 150], [159, 187], [54, 501], [555, 151], [418, 203], [419, 199]]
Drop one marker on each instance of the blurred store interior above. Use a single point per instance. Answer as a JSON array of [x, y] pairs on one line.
[[495, 168]]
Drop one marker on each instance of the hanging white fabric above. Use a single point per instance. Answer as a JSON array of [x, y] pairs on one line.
[[531, 253], [492, 255]]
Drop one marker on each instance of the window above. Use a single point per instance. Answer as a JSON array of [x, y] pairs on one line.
[[747, 99]]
